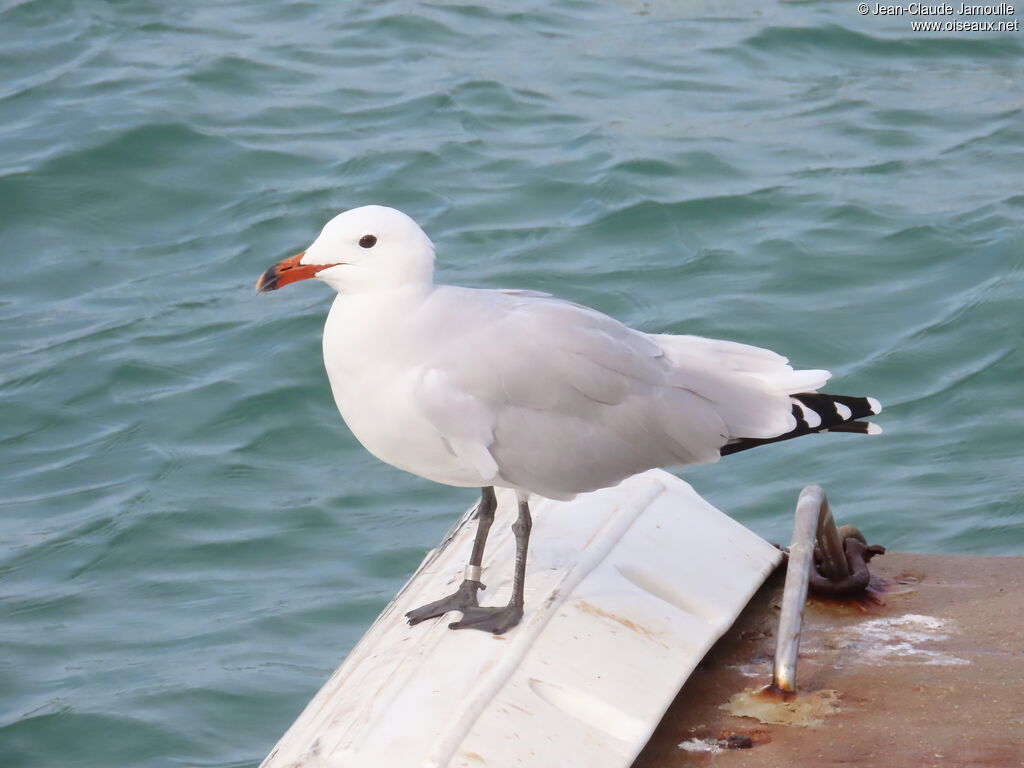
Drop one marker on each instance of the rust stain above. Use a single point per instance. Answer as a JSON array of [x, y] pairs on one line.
[[474, 757], [593, 610], [868, 601], [772, 691], [774, 707], [872, 599]]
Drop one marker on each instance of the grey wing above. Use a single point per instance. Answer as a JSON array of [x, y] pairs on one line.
[[563, 398]]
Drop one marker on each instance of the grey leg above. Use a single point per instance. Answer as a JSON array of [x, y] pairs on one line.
[[502, 618], [465, 596]]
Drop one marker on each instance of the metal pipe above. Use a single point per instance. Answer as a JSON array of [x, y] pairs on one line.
[[812, 523], [794, 594]]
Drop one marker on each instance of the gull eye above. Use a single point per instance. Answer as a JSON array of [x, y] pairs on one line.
[[367, 241]]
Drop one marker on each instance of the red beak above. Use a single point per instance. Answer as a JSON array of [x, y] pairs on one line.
[[287, 271]]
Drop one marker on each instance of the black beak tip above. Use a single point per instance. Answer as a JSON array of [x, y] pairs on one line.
[[267, 281]]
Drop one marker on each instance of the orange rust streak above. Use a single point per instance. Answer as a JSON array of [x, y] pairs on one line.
[[586, 607]]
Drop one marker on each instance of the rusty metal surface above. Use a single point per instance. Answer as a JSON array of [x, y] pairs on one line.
[[929, 673]]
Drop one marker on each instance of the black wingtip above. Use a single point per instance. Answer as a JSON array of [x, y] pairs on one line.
[[832, 413]]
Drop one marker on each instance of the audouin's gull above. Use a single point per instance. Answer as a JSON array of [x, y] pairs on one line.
[[522, 390]]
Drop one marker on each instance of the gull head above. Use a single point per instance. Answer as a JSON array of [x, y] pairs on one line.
[[372, 248]]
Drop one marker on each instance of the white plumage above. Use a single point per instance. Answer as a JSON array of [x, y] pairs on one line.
[[522, 390]]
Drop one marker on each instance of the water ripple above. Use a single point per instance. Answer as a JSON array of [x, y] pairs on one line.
[[191, 538]]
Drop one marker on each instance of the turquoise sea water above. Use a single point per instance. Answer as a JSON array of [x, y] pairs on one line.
[[190, 540]]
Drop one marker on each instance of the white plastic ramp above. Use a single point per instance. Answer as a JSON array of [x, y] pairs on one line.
[[626, 589]]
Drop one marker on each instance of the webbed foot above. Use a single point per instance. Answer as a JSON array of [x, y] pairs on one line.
[[463, 599], [498, 619]]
